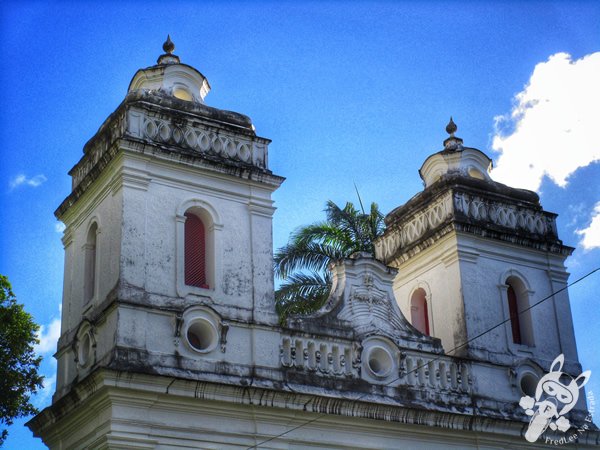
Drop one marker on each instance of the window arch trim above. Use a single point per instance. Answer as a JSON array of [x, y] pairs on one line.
[[513, 273], [195, 203]]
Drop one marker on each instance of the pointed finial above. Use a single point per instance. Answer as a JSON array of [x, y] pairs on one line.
[[452, 142], [168, 57], [168, 46], [451, 127]]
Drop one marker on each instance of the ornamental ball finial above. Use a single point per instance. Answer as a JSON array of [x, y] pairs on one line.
[[168, 46], [451, 127]]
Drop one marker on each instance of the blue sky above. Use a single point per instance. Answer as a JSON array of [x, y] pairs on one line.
[[349, 93]]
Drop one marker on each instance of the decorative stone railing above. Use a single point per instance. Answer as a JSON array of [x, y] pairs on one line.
[[416, 370], [438, 373], [196, 137], [461, 206], [505, 215], [192, 136], [327, 358], [410, 231]]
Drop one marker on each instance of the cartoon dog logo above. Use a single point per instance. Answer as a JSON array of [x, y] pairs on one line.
[[555, 395]]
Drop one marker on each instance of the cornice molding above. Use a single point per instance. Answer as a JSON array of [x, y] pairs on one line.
[[107, 388]]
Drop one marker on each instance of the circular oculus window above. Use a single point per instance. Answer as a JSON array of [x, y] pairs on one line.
[[528, 384], [380, 362], [202, 335]]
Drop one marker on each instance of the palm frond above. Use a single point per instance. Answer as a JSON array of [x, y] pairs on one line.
[[303, 262], [302, 293], [349, 220], [306, 256], [323, 232], [376, 224]]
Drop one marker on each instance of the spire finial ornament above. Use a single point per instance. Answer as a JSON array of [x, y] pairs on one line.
[[451, 127], [168, 57], [452, 142], [168, 46]]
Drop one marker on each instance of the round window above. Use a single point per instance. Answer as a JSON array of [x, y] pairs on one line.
[[380, 361], [202, 335], [528, 384]]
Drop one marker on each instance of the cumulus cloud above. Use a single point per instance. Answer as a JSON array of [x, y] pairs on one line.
[[552, 128], [44, 394], [591, 234], [48, 336], [22, 179]]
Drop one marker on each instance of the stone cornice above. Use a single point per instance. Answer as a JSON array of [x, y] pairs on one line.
[[110, 388]]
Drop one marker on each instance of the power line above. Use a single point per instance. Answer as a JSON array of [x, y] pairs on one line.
[[319, 416]]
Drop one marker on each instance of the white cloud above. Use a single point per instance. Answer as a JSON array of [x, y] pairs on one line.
[[59, 227], [44, 394], [22, 179], [552, 129], [48, 336], [591, 234]]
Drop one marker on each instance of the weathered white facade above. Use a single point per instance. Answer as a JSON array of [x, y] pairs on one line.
[[148, 360]]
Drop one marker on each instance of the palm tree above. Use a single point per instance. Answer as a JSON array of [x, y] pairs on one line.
[[302, 263]]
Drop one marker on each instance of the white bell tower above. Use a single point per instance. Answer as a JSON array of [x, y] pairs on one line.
[[471, 253], [168, 237]]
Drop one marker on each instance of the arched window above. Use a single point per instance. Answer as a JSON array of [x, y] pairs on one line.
[[419, 314], [89, 249], [518, 312], [513, 312], [195, 251], [197, 230]]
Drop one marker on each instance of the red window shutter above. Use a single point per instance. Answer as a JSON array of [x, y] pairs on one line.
[[195, 252], [514, 315]]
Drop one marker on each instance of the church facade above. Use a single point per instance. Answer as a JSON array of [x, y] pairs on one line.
[[170, 337]]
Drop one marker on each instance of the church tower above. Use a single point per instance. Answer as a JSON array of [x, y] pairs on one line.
[[472, 253], [168, 238], [170, 339]]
